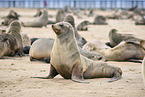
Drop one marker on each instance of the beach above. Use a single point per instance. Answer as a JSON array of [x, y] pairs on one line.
[[16, 81]]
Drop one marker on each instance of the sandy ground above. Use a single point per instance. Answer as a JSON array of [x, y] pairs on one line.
[[15, 75]]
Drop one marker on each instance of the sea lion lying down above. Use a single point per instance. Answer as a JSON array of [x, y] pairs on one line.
[[39, 22], [125, 51], [41, 50], [116, 38], [67, 61], [11, 42]]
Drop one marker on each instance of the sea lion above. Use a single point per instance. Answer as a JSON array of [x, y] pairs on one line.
[[11, 42], [94, 45], [43, 54], [80, 40], [125, 51], [67, 9], [67, 61], [83, 26], [60, 16], [15, 30], [100, 20], [10, 17], [91, 13], [115, 37], [41, 49], [39, 22], [143, 70]]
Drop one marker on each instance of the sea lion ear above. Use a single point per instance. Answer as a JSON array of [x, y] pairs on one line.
[[142, 43]]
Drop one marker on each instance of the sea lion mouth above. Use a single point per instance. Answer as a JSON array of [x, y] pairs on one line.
[[56, 29]]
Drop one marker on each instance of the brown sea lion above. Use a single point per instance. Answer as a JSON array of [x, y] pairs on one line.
[[60, 16], [80, 40], [125, 51], [100, 20], [83, 26], [143, 70], [67, 61], [115, 37], [39, 22], [15, 30], [10, 17], [11, 42]]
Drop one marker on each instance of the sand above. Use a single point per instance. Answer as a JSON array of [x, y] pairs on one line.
[[16, 81]]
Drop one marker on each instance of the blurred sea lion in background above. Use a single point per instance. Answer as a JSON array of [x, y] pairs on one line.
[[39, 22], [115, 37], [100, 20], [83, 26], [10, 17]]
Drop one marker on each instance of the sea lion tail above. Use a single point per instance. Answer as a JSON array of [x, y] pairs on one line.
[[117, 76]]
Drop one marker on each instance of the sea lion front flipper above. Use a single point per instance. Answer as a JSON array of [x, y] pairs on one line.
[[77, 74], [51, 75]]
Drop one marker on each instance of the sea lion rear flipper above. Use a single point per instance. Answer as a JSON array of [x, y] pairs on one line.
[[51, 75], [77, 74], [116, 76]]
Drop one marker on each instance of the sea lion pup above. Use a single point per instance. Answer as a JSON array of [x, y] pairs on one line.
[[67, 61], [39, 22], [60, 16], [100, 20], [125, 51], [115, 37], [80, 40], [11, 42], [83, 26], [41, 50], [143, 70], [39, 12], [10, 17]]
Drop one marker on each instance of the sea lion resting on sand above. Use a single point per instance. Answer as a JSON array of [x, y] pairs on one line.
[[39, 22], [125, 51], [83, 26], [11, 42], [67, 61], [10, 17], [100, 20], [41, 50], [115, 37], [91, 46]]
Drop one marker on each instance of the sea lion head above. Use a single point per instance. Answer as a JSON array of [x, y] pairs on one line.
[[113, 31], [70, 19], [62, 28]]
